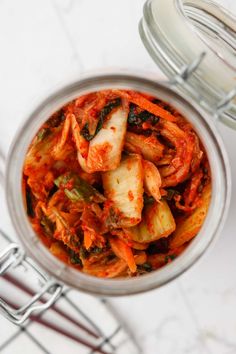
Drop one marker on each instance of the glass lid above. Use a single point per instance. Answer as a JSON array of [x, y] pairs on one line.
[[194, 44]]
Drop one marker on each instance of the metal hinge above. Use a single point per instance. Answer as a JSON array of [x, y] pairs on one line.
[[186, 72]]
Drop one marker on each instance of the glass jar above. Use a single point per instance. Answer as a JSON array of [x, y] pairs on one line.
[[192, 89], [196, 49], [216, 214]]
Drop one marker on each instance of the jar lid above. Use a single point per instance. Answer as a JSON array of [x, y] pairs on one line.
[[194, 44]]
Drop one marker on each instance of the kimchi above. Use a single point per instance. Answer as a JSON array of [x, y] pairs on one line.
[[116, 183]]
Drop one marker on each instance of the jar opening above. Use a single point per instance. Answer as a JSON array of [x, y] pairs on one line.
[[213, 222], [197, 31], [214, 28]]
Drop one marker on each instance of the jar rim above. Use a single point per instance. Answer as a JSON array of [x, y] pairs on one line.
[[114, 287]]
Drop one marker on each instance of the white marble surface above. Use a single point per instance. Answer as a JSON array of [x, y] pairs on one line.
[[44, 42]]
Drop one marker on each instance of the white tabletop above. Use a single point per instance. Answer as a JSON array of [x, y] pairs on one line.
[[43, 43]]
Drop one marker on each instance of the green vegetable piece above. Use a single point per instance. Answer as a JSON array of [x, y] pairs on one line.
[[75, 259], [96, 250], [145, 115], [136, 117], [75, 195], [79, 189], [133, 116], [63, 179], [105, 111], [170, 257], [74, 240], [85, 133], [83, 190], [29, 202], [47, 226], [102, 115], [148, 200], [171, 193], [145, 267], [56, 119], [43, 133], [84, 254]]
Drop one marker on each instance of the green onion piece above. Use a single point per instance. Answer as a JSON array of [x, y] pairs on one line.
[[63, 179], [146, 267], [148, 200], [74, 258], [79, 189], [170, 257], [171, 193], [74, 195], [29, 202], [56, 119], [43, 133], [84, 254], [96, 250], [47, 226]]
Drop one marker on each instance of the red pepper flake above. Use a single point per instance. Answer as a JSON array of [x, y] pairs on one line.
[[130, 195], [70, 184], [146, 126], [93, 112]]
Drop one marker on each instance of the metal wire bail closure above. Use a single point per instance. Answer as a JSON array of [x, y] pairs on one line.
[[13, 256], [187, 70]]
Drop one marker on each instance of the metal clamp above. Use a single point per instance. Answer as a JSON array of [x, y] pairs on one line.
[[226, 100], [11, 256], [14, 256], [187, 70]]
